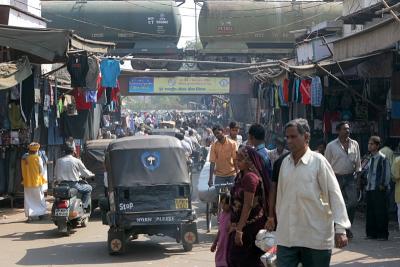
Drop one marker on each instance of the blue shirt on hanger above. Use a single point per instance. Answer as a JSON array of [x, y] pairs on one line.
[[110, 71]]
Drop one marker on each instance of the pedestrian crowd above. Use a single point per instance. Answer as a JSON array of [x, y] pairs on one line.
[[308, 198]]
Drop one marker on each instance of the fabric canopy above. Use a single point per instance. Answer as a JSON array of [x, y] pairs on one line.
[[47, 45], [14, 72]]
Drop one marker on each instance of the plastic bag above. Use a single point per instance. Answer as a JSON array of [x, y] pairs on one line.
[[265, 240], [269, 259]]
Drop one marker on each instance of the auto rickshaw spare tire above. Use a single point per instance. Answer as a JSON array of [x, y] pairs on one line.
[[116, 241], [189, 238]]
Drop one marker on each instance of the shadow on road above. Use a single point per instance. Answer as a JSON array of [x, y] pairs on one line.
[[96, 252]]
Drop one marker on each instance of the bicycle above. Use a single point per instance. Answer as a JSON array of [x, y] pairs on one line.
[[213, 208]]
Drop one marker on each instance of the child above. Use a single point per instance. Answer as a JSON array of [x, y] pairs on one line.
[[220, 243]]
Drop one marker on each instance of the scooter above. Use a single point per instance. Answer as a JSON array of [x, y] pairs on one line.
[[68, 212]]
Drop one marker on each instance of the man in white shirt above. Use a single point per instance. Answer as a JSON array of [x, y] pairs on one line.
[[309, 203], [69, 169], [343, 154]]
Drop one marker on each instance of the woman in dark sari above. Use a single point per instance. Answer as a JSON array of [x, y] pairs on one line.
[[249, 200]]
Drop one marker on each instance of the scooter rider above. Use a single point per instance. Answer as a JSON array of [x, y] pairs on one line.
[[69, 169]]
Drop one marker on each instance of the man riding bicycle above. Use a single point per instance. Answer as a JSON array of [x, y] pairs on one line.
[[222, 158]]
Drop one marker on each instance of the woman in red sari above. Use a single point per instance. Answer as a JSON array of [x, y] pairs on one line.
[[249, 200]]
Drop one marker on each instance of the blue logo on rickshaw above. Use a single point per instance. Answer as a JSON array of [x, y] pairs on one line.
[[151, 160]]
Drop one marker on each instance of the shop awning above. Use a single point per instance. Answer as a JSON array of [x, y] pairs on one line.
[[378, 37], [14, 72], [331, 65], [47, 45]]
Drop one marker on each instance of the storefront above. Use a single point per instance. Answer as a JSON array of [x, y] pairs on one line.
[[34, 106]]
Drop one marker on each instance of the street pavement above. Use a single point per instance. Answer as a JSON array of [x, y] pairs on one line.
[[39, 244]]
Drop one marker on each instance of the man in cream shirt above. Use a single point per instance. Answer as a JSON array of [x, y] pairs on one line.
[[309, 203], [343, 154]]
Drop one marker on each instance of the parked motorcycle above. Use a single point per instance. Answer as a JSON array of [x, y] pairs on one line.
[[68, 211]]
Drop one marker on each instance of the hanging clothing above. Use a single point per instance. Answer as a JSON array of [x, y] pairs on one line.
[[78, 67], [286, 90], [92, 74], [291, 88], [281, 96], [69, 125], [15, 117], [28, 97], [305, 91], [297, 96], [316, 92], [91, 96], [110, 71], [4, 122], [276, 95], [80, 99], [329, 117], [395, 109], [45, 160]]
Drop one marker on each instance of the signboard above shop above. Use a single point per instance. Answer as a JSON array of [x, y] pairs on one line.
[[179, 85]]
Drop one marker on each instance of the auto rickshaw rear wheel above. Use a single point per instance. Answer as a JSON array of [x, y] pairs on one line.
[[187, 247], [116, 242]]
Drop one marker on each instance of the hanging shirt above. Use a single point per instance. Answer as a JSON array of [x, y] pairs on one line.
[[15, 117], [91, 96], [78, 67], [286, 90], [93, 73], [305, 91], [297, 91], [80, 100], [281, 96], [316, 91], [276, 96], [110, 71]]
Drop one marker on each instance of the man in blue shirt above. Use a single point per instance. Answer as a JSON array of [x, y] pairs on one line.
[[257, 139]]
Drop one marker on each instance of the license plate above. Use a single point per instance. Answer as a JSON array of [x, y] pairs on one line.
[[61, 212], [181, 203]]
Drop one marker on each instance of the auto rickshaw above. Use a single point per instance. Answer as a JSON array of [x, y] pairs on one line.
[[148, 192], [167, 124], [165, 131], [93, 158]]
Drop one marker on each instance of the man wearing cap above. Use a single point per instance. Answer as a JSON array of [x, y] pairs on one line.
[[33, 181]]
